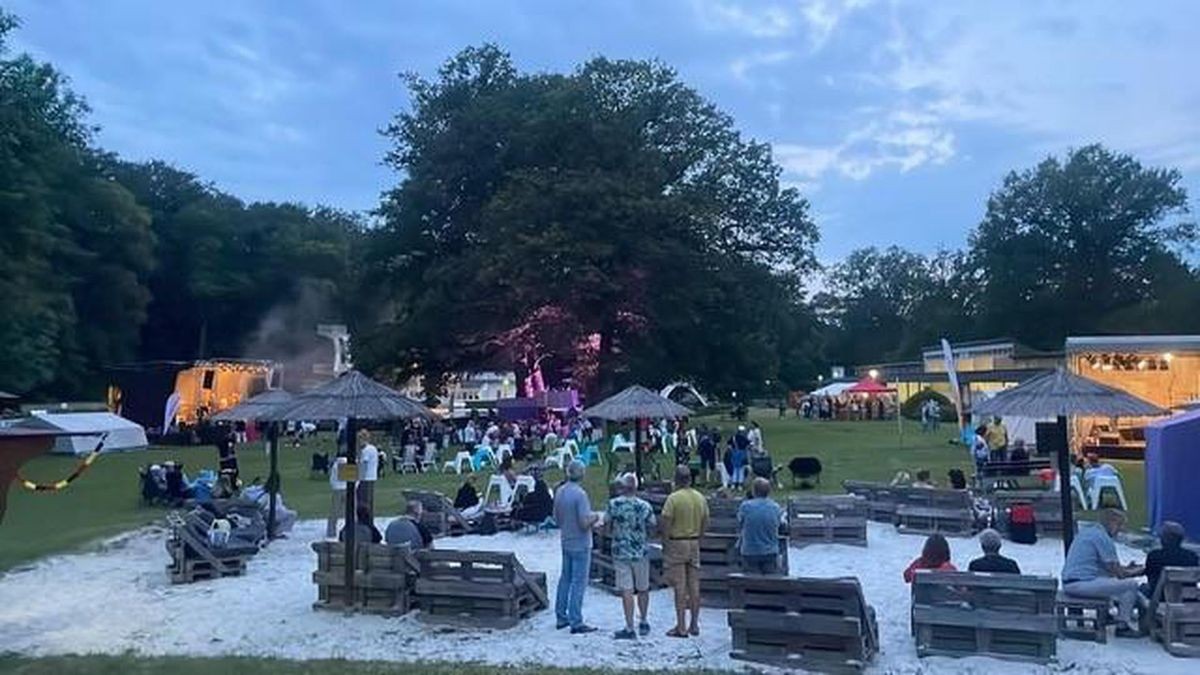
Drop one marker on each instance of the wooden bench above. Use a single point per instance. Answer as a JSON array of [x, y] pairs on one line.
[[811, 624], [926, 511], [1006, 616], [438, 513], [881, 499], [1047, 508], [722, 514], [720, 558], [1174, 611], [993, 475], [194, 559], [602, 573], [1082, 618], [832, 519], [383, 578], [477, 589]]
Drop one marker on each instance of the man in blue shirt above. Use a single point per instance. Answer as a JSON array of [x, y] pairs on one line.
[[758, 530], [1092, 570], [573, 513]]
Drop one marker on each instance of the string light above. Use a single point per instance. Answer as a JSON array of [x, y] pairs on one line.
[[62, 484]]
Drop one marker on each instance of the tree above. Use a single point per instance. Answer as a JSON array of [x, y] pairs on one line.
[[588, 220], [1073, 241]]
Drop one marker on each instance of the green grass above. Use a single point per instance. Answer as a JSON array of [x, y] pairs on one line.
[[105, 501]]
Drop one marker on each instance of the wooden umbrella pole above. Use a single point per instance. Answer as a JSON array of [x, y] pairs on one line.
[[637, 448], [351, 511], [1064, 484], [273, 476]]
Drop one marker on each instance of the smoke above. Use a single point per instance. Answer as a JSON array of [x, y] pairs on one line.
[[288, 334]]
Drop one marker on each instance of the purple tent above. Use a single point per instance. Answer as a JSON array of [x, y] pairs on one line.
[[1173, 471]]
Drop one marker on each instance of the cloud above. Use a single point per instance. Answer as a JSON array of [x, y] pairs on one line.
[[742, 65], [823, 16], [772, 21], [902, 140]]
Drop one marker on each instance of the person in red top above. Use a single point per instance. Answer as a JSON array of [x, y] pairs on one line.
[[935, 555]]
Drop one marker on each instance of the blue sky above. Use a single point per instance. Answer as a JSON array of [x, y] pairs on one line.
[[895, 118]]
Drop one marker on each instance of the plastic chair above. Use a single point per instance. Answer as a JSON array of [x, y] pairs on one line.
[[483, 454], [724, 474], [460, 460], [590, 456], [621, 444], [1107, 482]]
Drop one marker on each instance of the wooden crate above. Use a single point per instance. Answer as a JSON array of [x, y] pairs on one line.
[[1174, 611], [1047, 508], [383, 578], [926, 511], [193, 559], [477, 589], [602, 574], [1006, 616], [439, 514], [720, 558], [1082, 618], [722, 514], [832, 519], [810, 624], [881, 499]]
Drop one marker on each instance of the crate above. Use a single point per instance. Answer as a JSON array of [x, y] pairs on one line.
[[834, 519], [881, 499], [928, 511], [1005, 616], [720, 558], [1174, 611], [1082, 618], [194, 559], [810, 624], [383, 578], [477, 589]]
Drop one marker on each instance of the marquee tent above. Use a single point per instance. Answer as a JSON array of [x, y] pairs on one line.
[[1172, 471], [832, 389], [122, 434]]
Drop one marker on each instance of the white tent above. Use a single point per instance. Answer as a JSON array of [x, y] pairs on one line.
[[121, 433], [833, 389]]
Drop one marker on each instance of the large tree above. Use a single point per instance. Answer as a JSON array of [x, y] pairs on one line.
[[1073, 241], [588, 220]]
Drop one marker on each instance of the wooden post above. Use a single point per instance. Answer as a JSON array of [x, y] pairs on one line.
[[637, 449], [273, 476], [351, 510], [1064, 484]]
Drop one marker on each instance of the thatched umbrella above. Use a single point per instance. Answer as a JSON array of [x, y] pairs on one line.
[[353, 397], [636, 403], [252, 410], [1061, 394]]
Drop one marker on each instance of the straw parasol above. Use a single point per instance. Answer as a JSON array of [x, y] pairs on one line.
[[1061, 394], [254, 407], [636, 403]]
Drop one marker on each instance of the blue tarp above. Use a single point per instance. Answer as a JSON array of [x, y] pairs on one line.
[[1173, 472]]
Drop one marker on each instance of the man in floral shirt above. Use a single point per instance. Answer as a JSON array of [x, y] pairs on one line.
[[629, 518]]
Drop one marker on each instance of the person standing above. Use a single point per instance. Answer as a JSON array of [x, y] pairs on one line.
[[758, 530], [227, 461], [629, 520], [708, 454], [368, 470], [573, 513], [756, 438], [997, 440], [684, 520], [337, 488]]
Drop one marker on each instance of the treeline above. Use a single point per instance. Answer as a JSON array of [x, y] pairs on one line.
[[104, 261], [607, 225]]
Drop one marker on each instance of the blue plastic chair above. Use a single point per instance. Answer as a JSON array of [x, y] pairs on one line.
[[590, 456]]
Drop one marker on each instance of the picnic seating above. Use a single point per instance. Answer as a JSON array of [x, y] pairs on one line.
[[1173, 612], [1047, 508], [477, 589], [832, 519], [1082, 618], [811, 624], [439, 514], [1006, 616], [925, 511], [383, 578], [881, 499], [195, 558], [719, 554], [602, 572], [994, 475]]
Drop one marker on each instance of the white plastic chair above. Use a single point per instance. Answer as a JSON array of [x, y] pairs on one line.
[[1106, 482], [621, 444], [430, 459], [410, 459], [460, 460], [505, 493], [724, 474]]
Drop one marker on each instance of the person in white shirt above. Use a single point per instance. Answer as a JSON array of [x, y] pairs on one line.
[[338, 506], [368, 470]]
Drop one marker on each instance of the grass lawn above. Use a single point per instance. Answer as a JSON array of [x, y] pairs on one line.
[[105, 501]]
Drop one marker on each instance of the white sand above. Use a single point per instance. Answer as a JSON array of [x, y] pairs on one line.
[[118, 598]]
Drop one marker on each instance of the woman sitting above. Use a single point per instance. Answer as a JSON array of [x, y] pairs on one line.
[[935, 555], [537, 506]]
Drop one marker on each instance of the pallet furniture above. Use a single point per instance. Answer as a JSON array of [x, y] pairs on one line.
[[722, 514], [1005, 616], [1174, 611], [999, 475], [831, 519], [602, 573], [193, 558], [1047, 508], [438, 513], [383, 578], [720, 558], [881, 498], [1082, 618], [926, 511], [811, 624], [477, 589]]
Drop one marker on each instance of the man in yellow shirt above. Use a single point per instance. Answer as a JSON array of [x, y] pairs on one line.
[[684, 519], [997, 440]]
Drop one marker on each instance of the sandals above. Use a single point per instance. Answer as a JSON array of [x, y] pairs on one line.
[[675, 633]]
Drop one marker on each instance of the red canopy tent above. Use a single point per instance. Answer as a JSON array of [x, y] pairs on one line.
[[868, 385]]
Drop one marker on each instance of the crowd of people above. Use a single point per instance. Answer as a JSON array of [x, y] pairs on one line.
[[847, 407]]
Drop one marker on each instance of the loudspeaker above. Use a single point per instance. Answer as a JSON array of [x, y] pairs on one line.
[[207, 382], [1049, 440]]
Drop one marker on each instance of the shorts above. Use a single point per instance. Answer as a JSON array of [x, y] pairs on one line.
[[632, 575], [681, 563]]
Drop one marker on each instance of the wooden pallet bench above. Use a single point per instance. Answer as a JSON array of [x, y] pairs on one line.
[[477, 589], [438, 513], [602, 573], [194, 559], [722, 514], [1082, 618], [1047, 508], [720, 558], [1174, 611], [881, 499], [1005, 616], [926, 511], [811, 624], [832, 519], [383, 578]]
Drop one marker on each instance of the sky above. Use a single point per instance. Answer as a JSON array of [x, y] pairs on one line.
[[896, 119]]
